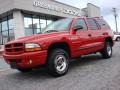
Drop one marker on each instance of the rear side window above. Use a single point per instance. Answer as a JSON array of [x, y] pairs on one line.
[[81, 22], [92, 23], [103, 24]]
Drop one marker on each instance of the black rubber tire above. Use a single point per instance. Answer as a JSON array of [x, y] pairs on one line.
[[24, 70], [105, 53], [51, 62]]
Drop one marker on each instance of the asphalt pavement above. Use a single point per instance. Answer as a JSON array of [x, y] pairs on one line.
[[3, 65], [88, 73]]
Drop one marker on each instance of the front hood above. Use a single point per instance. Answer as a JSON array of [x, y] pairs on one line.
[[39, 37]]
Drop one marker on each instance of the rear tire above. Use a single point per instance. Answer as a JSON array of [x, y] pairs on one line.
[[107, 51], [24, 70], [58, 62]]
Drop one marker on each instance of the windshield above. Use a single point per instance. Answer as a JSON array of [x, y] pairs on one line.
[[58, 26]]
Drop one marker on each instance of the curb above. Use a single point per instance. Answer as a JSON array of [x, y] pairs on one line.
[[3, 70]]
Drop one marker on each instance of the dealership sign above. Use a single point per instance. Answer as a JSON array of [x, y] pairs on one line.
[[42, 4]]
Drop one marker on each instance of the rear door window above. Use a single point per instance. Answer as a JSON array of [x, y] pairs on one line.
[[92, 24]]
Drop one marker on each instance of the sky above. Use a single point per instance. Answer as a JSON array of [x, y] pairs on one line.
[[106, 9]]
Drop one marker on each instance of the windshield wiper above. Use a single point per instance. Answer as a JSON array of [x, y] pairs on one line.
[[39, 33], [50, 31]]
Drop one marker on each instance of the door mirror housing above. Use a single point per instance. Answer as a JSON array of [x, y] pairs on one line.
[[78, 27]]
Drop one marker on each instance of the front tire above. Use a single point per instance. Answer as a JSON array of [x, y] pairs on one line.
[[58, 62], [107, 51]]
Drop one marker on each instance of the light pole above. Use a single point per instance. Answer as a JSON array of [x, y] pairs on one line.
[[115, 15]]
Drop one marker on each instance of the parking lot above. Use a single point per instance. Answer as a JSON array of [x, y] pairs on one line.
[[88, 73], [3, 65]]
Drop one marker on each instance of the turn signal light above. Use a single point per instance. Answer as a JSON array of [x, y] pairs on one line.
[[33, 49]]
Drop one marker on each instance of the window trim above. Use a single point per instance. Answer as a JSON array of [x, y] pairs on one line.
[[1, 42], [106, 24], [85, 24], [98, 28], [8, 30]]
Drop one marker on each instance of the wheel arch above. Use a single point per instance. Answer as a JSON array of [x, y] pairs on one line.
[[109, 39], [61, 45]]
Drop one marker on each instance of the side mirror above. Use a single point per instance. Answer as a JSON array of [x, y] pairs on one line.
[[78, 27]]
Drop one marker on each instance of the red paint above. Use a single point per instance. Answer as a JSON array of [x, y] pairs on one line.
[[80, 43]]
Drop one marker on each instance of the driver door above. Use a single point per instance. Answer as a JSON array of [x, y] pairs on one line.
[[83, 38]]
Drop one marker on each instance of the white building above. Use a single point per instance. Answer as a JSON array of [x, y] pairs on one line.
[[91, 11], [19, 18]]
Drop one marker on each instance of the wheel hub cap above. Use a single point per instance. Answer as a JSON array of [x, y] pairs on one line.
[[60, 63], [109, 49]]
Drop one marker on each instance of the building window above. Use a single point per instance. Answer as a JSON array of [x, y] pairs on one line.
[[28, 25], [0, 33], [11, 34], [28, 22], [49, 22], [0, 38], [35, 24], [4, 24], [6, 29], [5, 37], [11, 22], [43, 23]]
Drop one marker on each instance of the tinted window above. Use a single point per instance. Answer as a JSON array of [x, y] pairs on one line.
[[5, 37], [92, 23], [28, 22], [34, 24], [58, 26], [4, 24], [103, 24], [6, 29], [0, 38], [11, 22], [43, 23], [81, 22], [11, 35]]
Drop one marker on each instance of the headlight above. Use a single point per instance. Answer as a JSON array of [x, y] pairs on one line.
[[30, 47]]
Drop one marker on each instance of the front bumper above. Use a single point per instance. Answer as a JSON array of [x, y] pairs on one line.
[[27, 60]]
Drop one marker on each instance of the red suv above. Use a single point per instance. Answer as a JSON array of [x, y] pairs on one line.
[[58, 43]]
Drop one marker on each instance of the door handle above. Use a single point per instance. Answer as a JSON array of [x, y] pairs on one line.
[[89, 35]]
